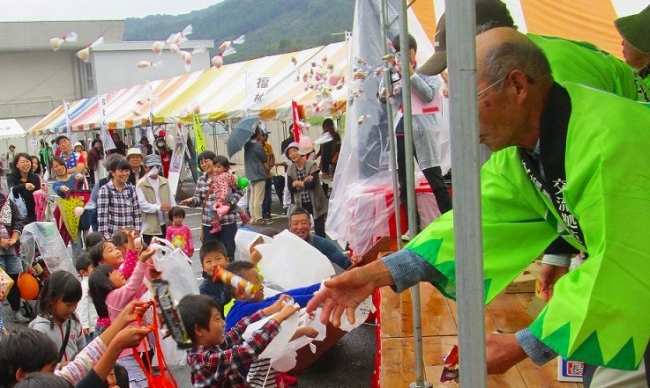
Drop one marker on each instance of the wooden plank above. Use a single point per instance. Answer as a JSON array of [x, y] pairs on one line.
[[398, 368], [397, 313], [490, 325], [509, 313]]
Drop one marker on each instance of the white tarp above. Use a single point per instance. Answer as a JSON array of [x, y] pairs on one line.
[[10, 128]]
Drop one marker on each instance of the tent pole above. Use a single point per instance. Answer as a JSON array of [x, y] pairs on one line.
[[391, 130], [410, 191], [468, 239]]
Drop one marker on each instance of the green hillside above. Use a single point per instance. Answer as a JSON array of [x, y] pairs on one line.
[[271, 26]]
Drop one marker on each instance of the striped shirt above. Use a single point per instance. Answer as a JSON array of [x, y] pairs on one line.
[[219, 366], [117, 210], [203, 190], [261, 375]]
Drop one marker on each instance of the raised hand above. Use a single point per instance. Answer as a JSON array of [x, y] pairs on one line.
[[277, 306], [345, 292]]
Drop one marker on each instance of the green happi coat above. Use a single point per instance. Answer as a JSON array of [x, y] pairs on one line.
[[584, 63], [600, 312]]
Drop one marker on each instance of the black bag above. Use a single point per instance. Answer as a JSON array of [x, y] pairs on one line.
[[86, 219]]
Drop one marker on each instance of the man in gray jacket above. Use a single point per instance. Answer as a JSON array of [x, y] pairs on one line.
[[254, 159]]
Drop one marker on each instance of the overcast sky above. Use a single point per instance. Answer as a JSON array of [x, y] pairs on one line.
[[53, 10]]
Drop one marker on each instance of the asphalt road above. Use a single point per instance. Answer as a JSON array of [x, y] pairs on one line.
[[349, 364]]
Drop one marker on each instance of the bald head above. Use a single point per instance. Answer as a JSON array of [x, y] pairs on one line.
[[503, 49]]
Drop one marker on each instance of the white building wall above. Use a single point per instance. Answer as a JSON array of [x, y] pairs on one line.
[[34, 83], [116, 69]]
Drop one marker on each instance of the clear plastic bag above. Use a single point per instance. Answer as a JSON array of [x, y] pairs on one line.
[[53, 251]]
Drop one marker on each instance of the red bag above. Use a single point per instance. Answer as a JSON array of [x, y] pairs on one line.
[[165, 379]]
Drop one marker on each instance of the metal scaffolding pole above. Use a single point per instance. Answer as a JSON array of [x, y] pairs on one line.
[[410, 190], [468, 239], [385, 25]]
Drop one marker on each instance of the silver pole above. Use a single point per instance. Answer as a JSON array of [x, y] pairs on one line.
[[468, 238], [383, 17], [410, 190]]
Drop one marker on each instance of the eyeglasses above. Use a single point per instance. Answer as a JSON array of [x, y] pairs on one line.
[[480, 93]]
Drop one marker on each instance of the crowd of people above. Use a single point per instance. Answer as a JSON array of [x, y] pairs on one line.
[[80, 314], [567, 136]]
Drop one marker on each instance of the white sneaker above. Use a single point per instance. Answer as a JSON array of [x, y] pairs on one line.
[[20, 318], [406, 236]]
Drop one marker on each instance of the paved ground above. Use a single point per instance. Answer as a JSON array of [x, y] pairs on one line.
[[349, 364]]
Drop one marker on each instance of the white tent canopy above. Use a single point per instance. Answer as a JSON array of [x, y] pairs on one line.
[[10, 129]]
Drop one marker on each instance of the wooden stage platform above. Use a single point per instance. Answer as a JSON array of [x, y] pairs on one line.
[[440, 329]]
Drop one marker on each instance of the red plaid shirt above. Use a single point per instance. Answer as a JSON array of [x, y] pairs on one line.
[[219, 366]]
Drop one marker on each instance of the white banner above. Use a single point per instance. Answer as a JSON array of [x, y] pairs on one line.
[[68, 127], [257, 84], [109, 144], [176, 163]]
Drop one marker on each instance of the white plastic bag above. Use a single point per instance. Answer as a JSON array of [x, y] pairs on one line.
[[278, 345], [176, 268], [291, 262]]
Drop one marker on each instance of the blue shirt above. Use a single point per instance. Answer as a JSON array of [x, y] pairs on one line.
[[330, 251], [241, 309]]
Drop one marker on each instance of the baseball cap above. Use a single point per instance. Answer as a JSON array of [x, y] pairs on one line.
[[487, 11], [152, 160], [265, 133], [636, 29]]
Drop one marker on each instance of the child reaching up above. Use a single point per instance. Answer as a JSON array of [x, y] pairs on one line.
[[111, 293], [178, 233], [223, 183], [121, 253], [261, 374], [56, 304], [217, 357], [85, 309]]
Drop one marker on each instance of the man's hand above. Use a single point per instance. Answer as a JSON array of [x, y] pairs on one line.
[[165, 208], [548, 276], [502, 352], [345, 292]]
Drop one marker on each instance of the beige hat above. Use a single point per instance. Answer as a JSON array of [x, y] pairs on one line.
[[133, 152]]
